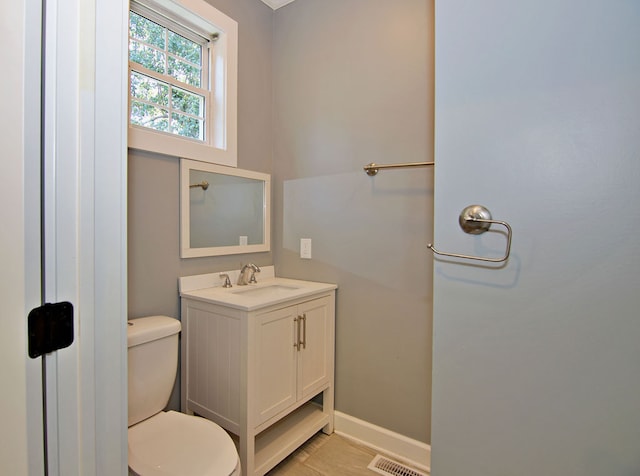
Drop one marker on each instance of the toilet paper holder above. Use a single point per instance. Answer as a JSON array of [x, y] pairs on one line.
[[475, 220]]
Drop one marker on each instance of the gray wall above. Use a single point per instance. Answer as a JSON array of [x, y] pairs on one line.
[[353, 85], [154, 180], [325, 87]]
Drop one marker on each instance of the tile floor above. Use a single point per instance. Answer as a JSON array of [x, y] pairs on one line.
[[327, 455]]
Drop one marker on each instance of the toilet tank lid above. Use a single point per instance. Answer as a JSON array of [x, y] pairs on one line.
[[146, 329]]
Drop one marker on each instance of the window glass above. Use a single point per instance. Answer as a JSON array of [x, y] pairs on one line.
[[148, 57], [143, 114], [186, 126], [159, 101], [148, 89], [184, 48], [146, 31], [183, 71]]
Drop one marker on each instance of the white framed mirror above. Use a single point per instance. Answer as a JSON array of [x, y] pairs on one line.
[[223, 210]]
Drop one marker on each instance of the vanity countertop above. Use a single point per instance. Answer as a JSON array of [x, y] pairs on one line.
[[268, 291]]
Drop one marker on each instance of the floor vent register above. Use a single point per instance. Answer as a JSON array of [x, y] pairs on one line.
[[387, 467]]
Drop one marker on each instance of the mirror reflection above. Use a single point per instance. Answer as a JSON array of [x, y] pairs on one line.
[[223, 210]]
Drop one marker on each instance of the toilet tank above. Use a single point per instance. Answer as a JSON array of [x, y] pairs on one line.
[[152, 364]]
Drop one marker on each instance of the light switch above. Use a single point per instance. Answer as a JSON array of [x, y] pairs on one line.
[[305, 248], [244, 240]]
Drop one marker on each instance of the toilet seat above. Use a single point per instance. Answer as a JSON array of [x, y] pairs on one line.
[[172, 443]]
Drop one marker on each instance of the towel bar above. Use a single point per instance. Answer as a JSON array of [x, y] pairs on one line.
[[373, 169], [204, 185]]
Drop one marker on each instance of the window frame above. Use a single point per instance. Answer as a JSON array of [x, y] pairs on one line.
[[220, 144]]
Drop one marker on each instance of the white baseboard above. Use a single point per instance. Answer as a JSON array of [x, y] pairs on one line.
[[414, 453]]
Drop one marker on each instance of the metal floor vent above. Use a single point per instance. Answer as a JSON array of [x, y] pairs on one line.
[[386, 467]]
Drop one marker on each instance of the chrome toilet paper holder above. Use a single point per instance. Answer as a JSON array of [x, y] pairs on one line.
[[475, 220]]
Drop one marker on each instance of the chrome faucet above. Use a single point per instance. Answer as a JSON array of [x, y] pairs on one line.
[[248, 274]]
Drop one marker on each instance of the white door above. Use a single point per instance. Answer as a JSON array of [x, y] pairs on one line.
[[21, 433], [536, 367], [84, 174]]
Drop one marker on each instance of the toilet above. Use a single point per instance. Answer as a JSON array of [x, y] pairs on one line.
[[168, 442]]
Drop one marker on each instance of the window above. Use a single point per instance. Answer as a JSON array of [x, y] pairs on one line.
[[166, 80], [182, 74]]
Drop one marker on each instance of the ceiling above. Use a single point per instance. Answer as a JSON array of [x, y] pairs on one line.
[[275, 4]]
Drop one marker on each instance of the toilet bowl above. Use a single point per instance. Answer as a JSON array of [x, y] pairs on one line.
[[174, 443], [168, 442]]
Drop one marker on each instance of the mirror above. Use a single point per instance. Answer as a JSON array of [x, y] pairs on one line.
[[223, 210]]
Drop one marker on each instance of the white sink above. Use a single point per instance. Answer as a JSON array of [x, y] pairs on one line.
[[270, 290], [265, 293]]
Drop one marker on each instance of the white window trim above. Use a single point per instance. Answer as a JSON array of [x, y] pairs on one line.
[[222, 118]]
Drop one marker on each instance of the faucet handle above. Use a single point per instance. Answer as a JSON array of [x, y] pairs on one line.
[[254, 270], [227, 281]]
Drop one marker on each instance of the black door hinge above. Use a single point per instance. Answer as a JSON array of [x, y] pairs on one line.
[[50, 328]]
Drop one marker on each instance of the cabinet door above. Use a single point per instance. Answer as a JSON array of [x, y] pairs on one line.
[[315, 359], [275, 362]]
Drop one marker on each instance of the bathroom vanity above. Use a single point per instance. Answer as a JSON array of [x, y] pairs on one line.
[[259, 361]]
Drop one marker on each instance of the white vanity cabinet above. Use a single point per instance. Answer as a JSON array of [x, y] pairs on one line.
[[292, 349], [264, 373]]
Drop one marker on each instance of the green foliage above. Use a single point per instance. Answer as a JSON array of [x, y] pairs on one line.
[[187, 102], [184, 72], [184, 48], [148, 57], [160, 105], [148, 89], [147, 31], [149, 116], [186, 126]]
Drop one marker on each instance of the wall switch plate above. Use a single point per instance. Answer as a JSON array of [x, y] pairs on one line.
[[305, 248], [244, 240]]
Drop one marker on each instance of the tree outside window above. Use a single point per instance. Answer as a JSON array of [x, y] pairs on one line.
[[167, 74]]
